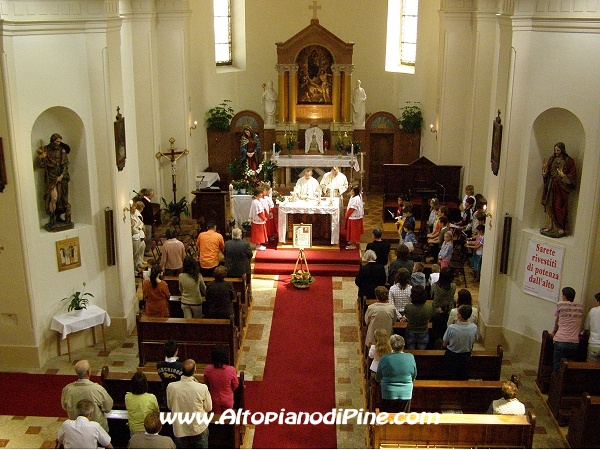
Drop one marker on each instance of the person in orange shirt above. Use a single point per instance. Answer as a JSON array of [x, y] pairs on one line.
[[209, 243]]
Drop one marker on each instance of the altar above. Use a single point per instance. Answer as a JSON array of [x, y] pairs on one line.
[[310, 207], [350, 163]]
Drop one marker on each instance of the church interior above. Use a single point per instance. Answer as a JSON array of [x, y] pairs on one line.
[[128, 85]]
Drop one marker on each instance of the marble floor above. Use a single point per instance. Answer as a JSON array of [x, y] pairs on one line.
[[121, 355]]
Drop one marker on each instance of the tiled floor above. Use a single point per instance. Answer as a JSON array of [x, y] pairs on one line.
[[40, 432]]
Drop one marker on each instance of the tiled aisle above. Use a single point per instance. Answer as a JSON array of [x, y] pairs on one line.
[[40, 432]]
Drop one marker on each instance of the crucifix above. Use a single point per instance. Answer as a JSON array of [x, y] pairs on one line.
[[314, 7], [173, 155]]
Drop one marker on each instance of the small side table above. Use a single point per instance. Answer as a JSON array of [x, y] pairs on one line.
[[71, 322]]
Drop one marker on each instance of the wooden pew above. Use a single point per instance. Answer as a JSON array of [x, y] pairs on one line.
[[118, 384], [584, 424], [485, 365], [567, 386], [459, 430], [195, 337], [545, 364]]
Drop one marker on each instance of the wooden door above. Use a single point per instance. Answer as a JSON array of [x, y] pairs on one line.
[[381, 147]]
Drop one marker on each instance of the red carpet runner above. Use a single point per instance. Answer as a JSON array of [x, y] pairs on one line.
[[299, 371], [341, 263]]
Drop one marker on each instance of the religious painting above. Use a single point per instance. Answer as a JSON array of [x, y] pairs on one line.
[[302, 235], [496, 144], [120, 149], [314, 75], [68, 254], [3, 180]]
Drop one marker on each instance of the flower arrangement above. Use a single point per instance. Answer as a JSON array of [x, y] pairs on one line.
[[290, 144], [302, 278]]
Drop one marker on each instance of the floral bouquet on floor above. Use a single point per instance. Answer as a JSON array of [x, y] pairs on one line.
[[302, 278]]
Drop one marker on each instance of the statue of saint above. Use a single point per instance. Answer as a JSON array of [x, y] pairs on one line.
[[313, 139], [559, 180], [55, 162], [269, 103], [250, 149], [358, 105]]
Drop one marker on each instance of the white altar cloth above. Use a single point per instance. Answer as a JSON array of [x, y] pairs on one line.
[[240, 208], [310, 207], [316, 161]]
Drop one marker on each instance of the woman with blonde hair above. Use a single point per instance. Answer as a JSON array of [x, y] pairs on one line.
[[381, 347]]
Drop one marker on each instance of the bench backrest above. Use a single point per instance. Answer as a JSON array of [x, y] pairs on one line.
[[195, 337], [584, 424], [470, 397], [460, 430], [485, 365]]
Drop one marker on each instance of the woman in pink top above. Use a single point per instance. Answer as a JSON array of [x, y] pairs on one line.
[[221, 379]]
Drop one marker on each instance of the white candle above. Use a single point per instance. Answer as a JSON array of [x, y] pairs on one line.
[[273, 148]]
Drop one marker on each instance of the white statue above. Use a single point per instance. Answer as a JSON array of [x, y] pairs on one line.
[[358, 106], [313, 139], [269, 102]]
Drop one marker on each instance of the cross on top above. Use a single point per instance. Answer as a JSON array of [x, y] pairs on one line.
[[314, 7]]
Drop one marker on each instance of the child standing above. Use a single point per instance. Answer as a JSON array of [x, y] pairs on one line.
[[354, 219], [445, 254], [268, 204], [258, 218], [477, 246]]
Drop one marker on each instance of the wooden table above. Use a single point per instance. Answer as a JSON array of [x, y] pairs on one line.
[[317, 206], [71, 322]]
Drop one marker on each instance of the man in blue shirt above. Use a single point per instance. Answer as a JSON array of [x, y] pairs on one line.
[[458, 341]]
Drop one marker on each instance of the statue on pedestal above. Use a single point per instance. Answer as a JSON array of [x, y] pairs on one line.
[[559, 180], [55, 162], [269, 103], [358, 106]]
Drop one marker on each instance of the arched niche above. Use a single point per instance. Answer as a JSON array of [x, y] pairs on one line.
[[69, 125], [552, 126]]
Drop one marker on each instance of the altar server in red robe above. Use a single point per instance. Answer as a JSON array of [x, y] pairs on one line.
[[258, 218], [267, 202], [354, 218]]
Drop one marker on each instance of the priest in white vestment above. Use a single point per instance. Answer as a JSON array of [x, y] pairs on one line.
[[334, 183], [307, 186]]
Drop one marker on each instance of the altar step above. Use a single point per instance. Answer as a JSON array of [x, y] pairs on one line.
[[344, 263]]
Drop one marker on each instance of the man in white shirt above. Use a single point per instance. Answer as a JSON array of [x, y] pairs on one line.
[[334, 183], [592, 325], [307, 186], [83, 432], [189, 396]]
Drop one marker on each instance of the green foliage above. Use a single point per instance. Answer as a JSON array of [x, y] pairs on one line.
[[246, 227], [267, 170], [411, 119], [236, 170], [302, 277], [219, 117], [339, 145], [290, 144], [78, 300], [174, 209], [357, 146], [239, 184], [278, 147]]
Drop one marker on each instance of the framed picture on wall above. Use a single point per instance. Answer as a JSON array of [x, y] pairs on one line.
[[496, 144], [120, 149], [68, 254]]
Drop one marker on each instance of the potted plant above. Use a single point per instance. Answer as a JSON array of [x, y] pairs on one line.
[[78, 301], [174, 209], [267, 169], [302, 279], [219, 117], [340, 146], [278, 147], [239, 186], [411, 118], [354, 145]]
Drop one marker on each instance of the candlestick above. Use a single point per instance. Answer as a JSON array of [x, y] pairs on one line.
[[273, 148]]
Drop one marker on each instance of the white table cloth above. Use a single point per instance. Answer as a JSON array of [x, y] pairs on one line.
[[240, 208], [316, 161], [74, 321], [310, 207]]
